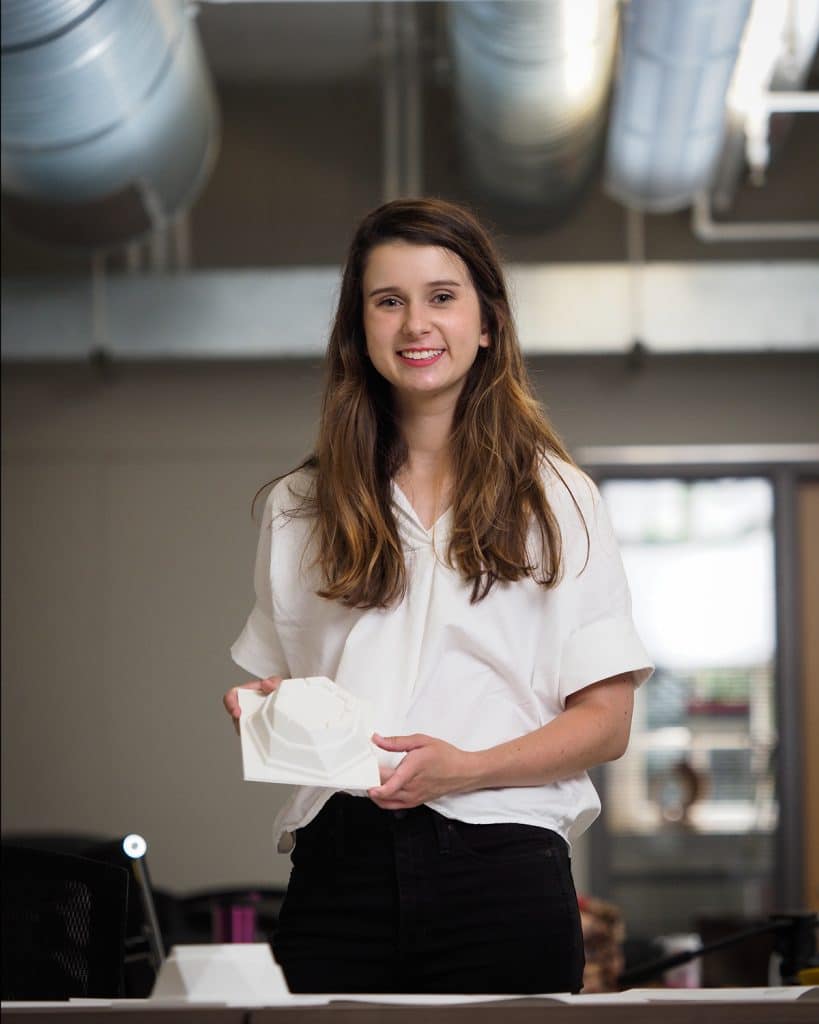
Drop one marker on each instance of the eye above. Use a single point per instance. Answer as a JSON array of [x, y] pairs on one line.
[[442, 298], [388, 302]]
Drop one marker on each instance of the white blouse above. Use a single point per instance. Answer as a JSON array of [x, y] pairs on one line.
[[473, 675]]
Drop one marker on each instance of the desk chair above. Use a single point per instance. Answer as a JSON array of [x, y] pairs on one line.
[[144, 947], [63, 926]]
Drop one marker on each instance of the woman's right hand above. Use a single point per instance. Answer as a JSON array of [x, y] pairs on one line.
[[231, 698]]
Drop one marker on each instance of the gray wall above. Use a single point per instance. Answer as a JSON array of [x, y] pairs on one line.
[[127, 555]]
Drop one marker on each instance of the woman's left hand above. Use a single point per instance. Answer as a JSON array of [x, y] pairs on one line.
[[430, 769]]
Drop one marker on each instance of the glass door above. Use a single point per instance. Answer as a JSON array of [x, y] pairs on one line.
[[691, 810]]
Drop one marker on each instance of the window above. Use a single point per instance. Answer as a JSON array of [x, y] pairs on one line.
[[694, 799]]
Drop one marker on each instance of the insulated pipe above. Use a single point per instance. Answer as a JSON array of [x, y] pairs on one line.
[[757, 121], [668, 116], [531, 82], [109, 121], [400, 101], [709, 230]]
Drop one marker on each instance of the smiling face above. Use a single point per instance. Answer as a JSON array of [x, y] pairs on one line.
[[422, 319]]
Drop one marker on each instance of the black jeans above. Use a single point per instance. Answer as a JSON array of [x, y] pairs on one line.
[[410, 901]]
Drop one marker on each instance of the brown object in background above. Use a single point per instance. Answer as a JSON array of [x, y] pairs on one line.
[[603, 934]]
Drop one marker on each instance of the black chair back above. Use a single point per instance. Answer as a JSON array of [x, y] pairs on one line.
[[144, 944], [63, 926]]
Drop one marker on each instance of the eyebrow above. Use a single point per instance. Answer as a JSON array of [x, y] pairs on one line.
[[429, 284]]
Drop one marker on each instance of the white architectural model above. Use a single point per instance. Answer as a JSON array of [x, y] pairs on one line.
[[244, 974], [308, 732]]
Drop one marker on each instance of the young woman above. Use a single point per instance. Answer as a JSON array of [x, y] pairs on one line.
[[441, 555]]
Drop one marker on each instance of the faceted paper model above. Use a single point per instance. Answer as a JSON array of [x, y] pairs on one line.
[[244, 974], [308, 732]]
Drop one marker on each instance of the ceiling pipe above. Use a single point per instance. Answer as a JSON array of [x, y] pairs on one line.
[[777, 50], [709, 230], [531, 82], [109, 120], [401, 100], [668, 114], [757, 124]]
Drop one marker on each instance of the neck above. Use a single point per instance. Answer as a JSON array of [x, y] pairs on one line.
[[426, 433]]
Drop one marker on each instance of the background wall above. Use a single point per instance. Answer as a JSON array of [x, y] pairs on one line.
[[127, 556]]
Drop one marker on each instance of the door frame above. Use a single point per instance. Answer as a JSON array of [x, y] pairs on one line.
[[785, 466]]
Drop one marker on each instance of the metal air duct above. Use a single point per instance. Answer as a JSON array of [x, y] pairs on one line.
[[109, 121], [668, 115], [531, 82]]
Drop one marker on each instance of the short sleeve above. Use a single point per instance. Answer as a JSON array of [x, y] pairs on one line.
[[599, 638], [258, 648]]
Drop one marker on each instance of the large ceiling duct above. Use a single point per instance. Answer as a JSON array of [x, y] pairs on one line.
[[531, 82], [109, 120], [668, 115]]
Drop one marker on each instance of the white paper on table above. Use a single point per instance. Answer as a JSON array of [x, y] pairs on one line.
[[430, 999], [595, 998], [770, 994], [309, 732]]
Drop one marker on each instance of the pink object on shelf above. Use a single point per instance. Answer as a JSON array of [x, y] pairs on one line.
[[234, 922]]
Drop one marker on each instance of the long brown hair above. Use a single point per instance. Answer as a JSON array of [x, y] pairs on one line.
[[500, 436]]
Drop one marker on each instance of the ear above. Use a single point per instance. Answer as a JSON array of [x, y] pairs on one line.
[[484, 339]]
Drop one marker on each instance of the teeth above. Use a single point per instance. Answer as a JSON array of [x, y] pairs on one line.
[[426, 353]]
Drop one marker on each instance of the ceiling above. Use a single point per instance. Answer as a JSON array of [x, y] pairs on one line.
[[305, 128]]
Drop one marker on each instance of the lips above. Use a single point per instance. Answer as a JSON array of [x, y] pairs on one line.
[[420, 356]]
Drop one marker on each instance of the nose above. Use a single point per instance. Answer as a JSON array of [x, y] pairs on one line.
[[416, 322]]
